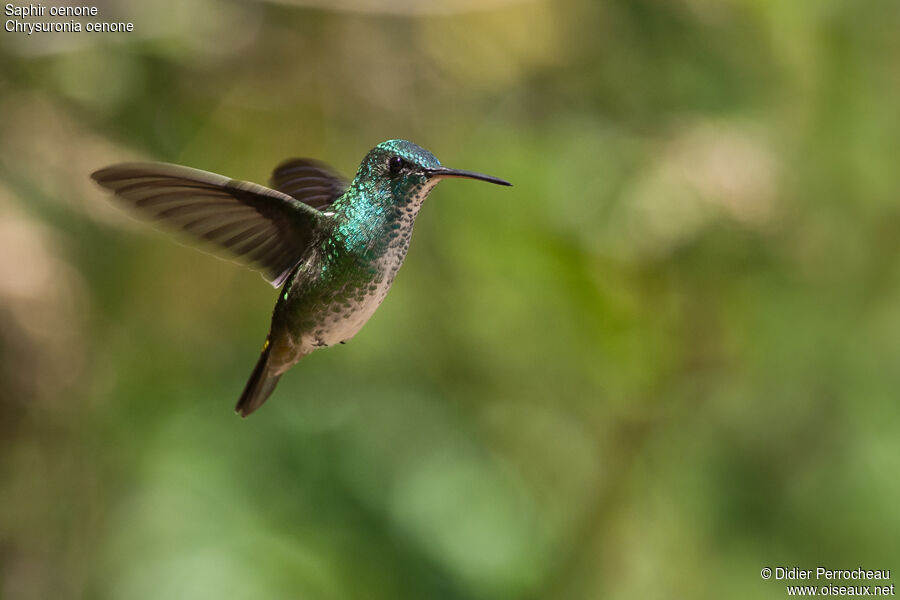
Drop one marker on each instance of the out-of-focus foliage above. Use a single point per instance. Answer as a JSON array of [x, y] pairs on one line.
[[666, 358]]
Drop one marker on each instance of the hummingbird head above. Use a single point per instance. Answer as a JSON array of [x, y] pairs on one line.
[[407, 172]]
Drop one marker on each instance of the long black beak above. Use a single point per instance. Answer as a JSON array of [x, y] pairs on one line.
[[442, 172]]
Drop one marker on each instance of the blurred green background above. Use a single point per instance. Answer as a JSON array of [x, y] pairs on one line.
[[666, 358]]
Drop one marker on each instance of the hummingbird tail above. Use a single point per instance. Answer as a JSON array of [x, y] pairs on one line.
[[259, 386]]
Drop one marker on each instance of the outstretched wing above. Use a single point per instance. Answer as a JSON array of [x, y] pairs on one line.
[[309, 181], [266, 229]]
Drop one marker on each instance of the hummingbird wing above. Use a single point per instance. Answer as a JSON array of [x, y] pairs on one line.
[[311, 182], [266, 229]]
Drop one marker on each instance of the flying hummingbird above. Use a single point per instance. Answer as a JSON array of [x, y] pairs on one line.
[[334, 247]]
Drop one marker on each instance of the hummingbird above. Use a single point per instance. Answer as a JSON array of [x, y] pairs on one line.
[[332, 247]]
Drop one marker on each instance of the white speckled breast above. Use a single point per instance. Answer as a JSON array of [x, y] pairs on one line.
[[334, 313]]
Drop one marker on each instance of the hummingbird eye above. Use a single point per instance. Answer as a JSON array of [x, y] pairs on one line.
[[395, 164]]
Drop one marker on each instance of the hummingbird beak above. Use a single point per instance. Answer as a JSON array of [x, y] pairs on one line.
[[444, 172]]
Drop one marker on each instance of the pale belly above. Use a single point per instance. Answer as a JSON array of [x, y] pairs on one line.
[[341, 322], [318, 318]]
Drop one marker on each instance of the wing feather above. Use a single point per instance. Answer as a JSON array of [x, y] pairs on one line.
[[267, 229], [312, 182]]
